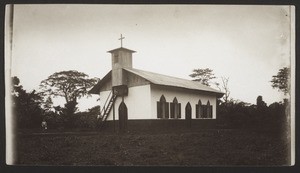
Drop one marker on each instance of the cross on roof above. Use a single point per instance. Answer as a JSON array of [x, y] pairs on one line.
[[121, 40]]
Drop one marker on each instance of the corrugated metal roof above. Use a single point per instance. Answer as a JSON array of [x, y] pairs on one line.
[[160, 79]]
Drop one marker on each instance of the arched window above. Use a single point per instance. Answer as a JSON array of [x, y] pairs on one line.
[[175, 109], [209, 110], [199, 110], [162, 98], [162, 108], [188, 114]]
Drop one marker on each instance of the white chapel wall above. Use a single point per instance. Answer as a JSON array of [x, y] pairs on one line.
[[183, 97], [138, 103]]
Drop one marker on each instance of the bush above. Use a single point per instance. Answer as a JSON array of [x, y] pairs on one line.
[[237, 114], [54, 120], [87, 119]]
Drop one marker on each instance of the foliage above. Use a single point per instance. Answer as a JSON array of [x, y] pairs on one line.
[[70, 85], [87, 119], [203, 75], [281, 80], [58, 110], [238, 114], [224, 87], [54, 120], [26, 106], [94, 110], [48, 104], [68, 114], [261, 105], [58, 119]]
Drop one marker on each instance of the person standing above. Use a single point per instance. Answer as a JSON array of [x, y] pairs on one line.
[[44, 125]]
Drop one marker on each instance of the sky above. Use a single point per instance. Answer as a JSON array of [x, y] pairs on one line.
[[248, 44]]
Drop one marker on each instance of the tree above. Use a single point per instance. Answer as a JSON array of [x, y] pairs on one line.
[[224, 87], [48, 104], [70, 85], [281, 80], [26, 105], [16, 87], [203, 75], [260, 103]]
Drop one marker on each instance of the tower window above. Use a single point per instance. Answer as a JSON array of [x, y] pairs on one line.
[[116, 57]]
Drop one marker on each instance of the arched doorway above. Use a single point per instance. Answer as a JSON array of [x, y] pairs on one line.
[[123, 117], [188, 114]]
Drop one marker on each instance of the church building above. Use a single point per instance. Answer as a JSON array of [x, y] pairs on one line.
[[132, 98]]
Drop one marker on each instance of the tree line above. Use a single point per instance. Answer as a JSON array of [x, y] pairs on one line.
[[234, 113], [31, 108]]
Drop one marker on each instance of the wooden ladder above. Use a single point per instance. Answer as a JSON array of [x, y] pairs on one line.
[[106, 109]]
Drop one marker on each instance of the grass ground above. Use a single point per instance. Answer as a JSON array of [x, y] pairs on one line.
[[205, 147]]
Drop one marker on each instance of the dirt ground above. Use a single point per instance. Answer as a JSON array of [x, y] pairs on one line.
[[204, 147]]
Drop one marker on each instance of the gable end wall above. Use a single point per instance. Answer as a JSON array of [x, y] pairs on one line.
[[130, 79]]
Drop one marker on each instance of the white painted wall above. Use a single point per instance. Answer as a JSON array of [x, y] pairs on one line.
[[138, 103], [183, 97], [141, 101]]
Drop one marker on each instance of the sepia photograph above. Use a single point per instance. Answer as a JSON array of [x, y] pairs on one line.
[[149, 85]]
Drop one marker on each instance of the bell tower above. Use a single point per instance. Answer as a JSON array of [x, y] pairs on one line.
[[120, 58]]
